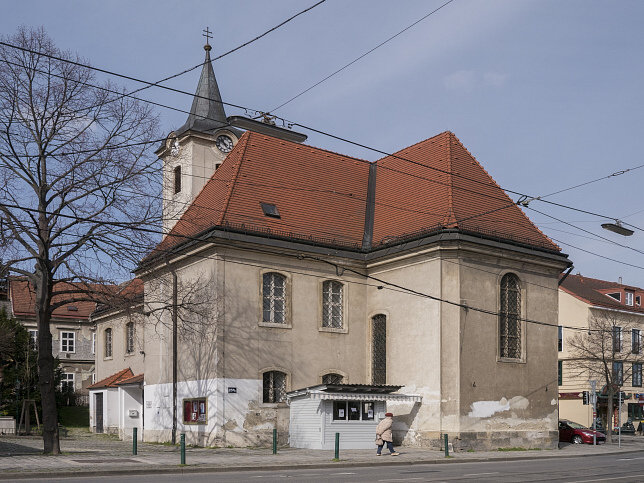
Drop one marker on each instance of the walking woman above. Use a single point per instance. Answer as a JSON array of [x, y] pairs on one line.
[[384, 435]]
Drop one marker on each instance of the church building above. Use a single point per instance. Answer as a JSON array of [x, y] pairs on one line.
[[287, 266]]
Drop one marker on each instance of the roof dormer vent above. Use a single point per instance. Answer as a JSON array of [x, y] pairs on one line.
[[270, 209]]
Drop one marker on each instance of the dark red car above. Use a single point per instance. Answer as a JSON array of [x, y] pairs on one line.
[[570, 432]]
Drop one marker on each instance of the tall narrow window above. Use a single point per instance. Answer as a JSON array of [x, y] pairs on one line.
[[93, 342], [379, 349], [274, 298], [33, 339], [560, 338], [67, 340], [108, 343], [129, 337], [618, 373], [67, 382], [177, 179], [637, 374], [274, 387], [560, 373], [617, 339], [636, 341], [332, 378], [629, 298], [510, 317], [332, 304]]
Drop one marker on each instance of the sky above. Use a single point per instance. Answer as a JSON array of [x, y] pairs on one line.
[[545, 94]]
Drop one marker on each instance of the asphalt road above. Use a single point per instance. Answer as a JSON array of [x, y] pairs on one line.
[[610, 468]]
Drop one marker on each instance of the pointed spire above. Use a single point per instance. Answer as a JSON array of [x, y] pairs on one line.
[[207, 111]]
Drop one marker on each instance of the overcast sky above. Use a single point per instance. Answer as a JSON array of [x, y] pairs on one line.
[[545, 94]]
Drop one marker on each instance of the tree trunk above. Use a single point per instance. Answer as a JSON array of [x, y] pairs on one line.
[[46, 379]]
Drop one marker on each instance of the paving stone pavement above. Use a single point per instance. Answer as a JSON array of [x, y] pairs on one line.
[[86, 453]]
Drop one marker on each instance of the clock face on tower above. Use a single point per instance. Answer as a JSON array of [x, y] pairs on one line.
[[224, 143]]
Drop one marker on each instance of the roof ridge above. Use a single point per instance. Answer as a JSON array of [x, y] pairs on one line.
[[412, 146], [502, 190], [605, 281], [450, 216], [233, 180]]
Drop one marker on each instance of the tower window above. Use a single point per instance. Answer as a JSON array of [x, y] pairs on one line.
[[177, 179]]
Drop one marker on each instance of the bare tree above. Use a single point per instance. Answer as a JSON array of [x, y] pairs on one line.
[[76, 176], [601, 353]]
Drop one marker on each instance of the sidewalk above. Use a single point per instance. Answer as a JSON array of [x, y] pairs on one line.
[[90, 454]]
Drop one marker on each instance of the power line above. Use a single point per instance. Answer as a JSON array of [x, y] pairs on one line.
[[362, 56], [339, 138]]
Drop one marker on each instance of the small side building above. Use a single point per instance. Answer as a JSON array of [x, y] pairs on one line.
[[317, 413]]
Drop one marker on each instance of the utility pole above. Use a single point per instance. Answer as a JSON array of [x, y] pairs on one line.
[[619, 418], [593, 400]]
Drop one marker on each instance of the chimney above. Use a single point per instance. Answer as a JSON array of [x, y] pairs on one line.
[[620, 280]]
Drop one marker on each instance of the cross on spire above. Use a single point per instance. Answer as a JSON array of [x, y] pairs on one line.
[[207, 33]]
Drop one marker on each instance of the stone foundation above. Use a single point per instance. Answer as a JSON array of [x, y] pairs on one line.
[[481, 441]]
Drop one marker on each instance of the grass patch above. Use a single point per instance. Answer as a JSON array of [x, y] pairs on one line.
[[335, 460], [74, 416], [470, 450], [515, 448]]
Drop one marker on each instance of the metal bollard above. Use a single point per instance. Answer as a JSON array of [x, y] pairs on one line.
[[134, 448], [337, 446], [183, 448], [274, 441], [446, 447]]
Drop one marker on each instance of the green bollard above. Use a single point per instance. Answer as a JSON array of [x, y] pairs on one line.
[[183, 448], [134, 431], [274, 441], [446, 447], [337, 446]]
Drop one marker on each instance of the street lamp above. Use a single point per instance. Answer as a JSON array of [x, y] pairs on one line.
[[617, 228]]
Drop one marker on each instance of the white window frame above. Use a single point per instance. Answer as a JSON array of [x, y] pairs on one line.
[[93, 342], [65, 380], [33, 338], [64, 341], [628, 298], [620, 346], [271, 298]]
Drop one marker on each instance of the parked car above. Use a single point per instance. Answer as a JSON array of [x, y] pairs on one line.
[[571, 432]]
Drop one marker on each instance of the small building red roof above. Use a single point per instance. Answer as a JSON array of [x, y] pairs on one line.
[[113, 380], [138, 379], [23, 300], [595, 292], [322, 197]]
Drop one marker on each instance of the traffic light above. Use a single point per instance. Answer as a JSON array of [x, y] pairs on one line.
[[586, 398]]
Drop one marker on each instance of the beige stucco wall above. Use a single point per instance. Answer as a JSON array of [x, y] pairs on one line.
[[106, 366]]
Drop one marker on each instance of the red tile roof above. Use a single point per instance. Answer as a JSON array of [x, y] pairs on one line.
[[446, 188], [593, 291], [23, 300], [132, 380], [113, 380], [322, 196]]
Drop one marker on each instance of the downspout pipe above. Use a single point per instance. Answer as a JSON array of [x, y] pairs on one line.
[[565, 275], [174, 356]]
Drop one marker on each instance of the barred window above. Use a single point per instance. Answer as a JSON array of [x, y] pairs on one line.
[[379, 349], [274, 298], [108, 343], [129, 337], [332, 378], [510, 317], [332, 305], [274, 386]]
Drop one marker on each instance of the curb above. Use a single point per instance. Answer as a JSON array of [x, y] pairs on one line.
[[178, 470]]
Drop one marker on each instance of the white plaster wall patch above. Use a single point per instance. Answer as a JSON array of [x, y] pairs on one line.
[[485, 409]]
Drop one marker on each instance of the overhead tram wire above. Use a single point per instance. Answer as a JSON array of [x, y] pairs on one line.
[[362, 56], [323, 133], [338, 138], [389, 285]]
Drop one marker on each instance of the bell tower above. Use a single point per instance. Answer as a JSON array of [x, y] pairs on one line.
[[192, 153]]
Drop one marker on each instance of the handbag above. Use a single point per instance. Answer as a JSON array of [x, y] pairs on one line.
[[379, 441]]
